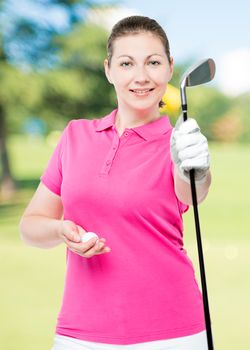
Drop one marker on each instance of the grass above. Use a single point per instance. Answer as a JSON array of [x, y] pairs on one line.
[[33, 279]]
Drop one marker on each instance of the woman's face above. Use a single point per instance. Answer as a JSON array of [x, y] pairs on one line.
[[139, 70]]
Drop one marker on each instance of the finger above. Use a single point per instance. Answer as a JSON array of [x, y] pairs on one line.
[[193, 151], [91, 252], [179, 122], [93, 243], [98, 246], [189, 140], [97, 249], [201, 163], [89, 243], [72, 236], [104, 250], [86, 254], [189, 126], [81, 246], [89, 248], [94, 251]]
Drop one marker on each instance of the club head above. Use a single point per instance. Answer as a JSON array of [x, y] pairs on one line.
[[201, 73]]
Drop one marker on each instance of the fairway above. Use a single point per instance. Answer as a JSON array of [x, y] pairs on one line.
[[32, 278]]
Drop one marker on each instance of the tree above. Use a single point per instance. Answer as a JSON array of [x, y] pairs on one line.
[[78, 87], [207, 105], [27, 46], [12, 82]]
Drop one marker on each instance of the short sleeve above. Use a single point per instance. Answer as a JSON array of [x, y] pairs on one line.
[[52, 175], [182, 206]]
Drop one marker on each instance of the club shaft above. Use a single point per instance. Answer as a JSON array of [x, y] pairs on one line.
[[201, 262], [200, 250]]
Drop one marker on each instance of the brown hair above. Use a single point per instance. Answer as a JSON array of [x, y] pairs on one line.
[[135, 25]]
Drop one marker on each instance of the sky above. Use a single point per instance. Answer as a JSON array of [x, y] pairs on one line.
[[196, 29], [199, 29]]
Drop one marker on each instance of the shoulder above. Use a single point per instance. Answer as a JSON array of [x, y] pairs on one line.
[[79, 125], [76, 123], [81, 129]]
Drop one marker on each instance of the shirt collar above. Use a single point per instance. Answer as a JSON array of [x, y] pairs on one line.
[[147, 131]]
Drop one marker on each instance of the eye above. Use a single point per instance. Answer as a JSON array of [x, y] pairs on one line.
[[155, 63], [125, 64]]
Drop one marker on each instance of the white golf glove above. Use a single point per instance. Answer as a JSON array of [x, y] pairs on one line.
[[189, 150]]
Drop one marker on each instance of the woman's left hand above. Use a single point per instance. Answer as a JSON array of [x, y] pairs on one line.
[[189, 150]]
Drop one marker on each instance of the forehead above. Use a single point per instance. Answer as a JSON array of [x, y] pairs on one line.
[[138, 45]]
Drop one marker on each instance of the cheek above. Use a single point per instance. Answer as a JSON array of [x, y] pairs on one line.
[[164, 71], [122, 80], [162, 82], [163, 77]]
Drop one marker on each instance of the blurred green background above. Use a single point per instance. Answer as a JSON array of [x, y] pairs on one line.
[[51, 73]]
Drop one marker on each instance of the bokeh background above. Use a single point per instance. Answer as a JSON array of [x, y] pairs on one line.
[[51, 71]]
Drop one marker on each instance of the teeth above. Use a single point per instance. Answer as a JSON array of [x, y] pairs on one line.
[[141, 91]]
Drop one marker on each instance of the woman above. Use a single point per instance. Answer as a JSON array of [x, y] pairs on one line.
[[115, 176]]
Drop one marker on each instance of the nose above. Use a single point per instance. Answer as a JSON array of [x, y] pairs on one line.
[[141, 76]]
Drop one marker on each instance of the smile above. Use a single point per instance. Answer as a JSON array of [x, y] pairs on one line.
[[141, 92]]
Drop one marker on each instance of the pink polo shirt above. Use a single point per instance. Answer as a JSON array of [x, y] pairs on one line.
[[122, 188]]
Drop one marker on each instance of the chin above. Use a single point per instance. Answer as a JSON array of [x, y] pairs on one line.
[[142, 105]]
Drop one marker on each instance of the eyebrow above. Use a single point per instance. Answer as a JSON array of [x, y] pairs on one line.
[[154, 54]]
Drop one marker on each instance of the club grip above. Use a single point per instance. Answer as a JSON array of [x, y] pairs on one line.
[[185, 116]]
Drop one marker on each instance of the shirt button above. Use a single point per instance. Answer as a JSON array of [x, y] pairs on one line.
[[126, 134], [114, 147], [108, 162]]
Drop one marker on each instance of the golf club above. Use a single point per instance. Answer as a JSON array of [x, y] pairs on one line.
[[200, 73]]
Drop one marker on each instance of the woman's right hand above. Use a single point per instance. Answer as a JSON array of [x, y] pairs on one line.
[[71, 233]]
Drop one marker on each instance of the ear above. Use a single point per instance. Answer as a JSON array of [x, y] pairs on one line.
[[106, 68], [171, 67]]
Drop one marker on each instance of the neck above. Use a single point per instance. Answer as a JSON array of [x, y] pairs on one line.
[[127, 118]]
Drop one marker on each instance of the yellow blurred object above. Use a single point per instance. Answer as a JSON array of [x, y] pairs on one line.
[[172, 101]]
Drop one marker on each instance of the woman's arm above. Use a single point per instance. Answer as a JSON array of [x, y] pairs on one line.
[[42, 226], [41, 221], [183, 188]]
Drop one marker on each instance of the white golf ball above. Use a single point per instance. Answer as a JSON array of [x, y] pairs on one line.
[[88, 235]]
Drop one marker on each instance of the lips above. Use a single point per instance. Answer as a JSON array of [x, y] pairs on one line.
[[141, 91]]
